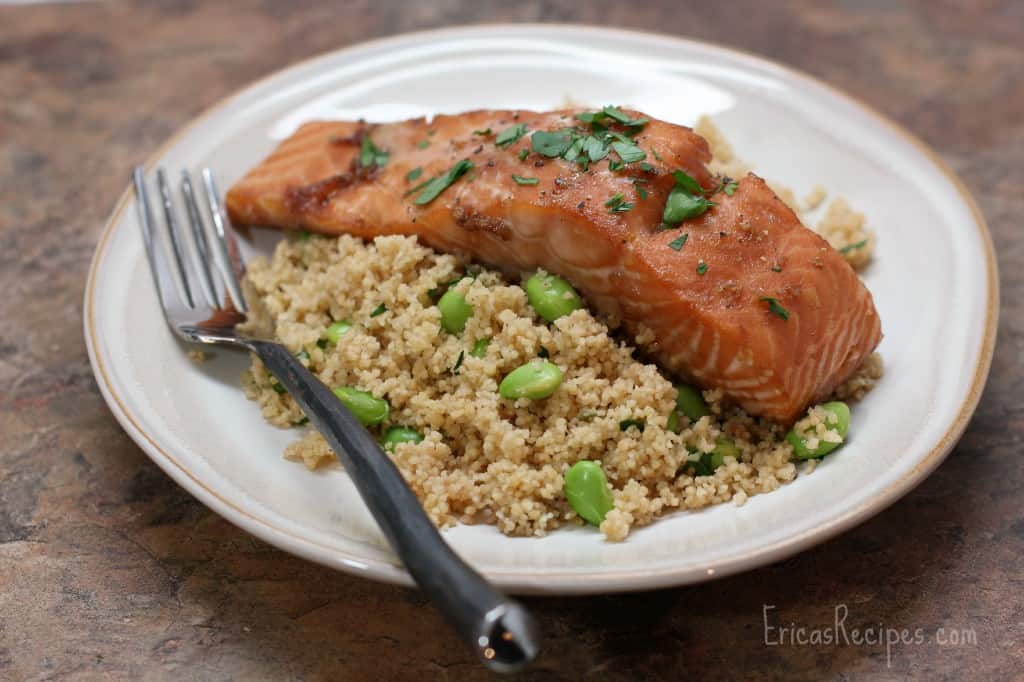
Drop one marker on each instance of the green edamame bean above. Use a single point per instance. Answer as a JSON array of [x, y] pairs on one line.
[[535, 380], [551, 296], [724, 447], [587, 490], [369, 410], [455, 311], [672, 423], [690, 402], [480, 348], [336, 330], [400, 434], [837, 419]]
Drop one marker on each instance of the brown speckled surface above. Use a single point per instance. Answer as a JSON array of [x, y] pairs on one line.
[[109, 570]]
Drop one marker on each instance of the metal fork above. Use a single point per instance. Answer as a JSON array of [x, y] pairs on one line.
[[202, 302]]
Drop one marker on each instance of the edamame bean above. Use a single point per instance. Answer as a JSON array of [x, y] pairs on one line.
[[551, 296], [400, 434], [690, 402], [587, 490], [480, 348], [455, 311], [535, 380], [672, 423], [724, 447], [837, 419], [336, 330], [369, 410]]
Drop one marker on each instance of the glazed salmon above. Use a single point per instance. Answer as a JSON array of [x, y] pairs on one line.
[[741, 297]]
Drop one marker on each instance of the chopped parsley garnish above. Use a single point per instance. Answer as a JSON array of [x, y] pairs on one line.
[[655, 154], [523, 153], [302, 355], [543, 353], [379, 310], [520, 180], [646, 167], [686, 200], [321, 343], [301, 422], [702, 268], [433, 187], [594, 148], [615, 164], [485, 131], [618, 204], [626, 423], [773, 305], [551, 144], [458, 363], [628, 152], [853, 247], [729, 186], [414, 174], [641, 192], [423, 144], [677, 243], [510, 135], [278, 388], [371, 155], [776, 268], [613, 113]]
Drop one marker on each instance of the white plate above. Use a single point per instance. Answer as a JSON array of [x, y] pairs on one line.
[[933, 279]]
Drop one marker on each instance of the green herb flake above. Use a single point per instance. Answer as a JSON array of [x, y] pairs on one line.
[[304, 235], [615, 164], [687, 182], [321, 343], [484, 132], [523, 153], [702, 268], [379, 310], [628, 152], [677, 243], [551, 144], [854, 247], [278, 388], [543, 353], [423, 144], [433, 187], [776, 268], [371, 155], [302, 355], [641, 192], [686, 200], [625, 424], [646, 167], [510, 135], [594, 148], [655, 154], [775, 307], [301, 422], [414, 174], [730, 187], [458, 362], [618, 204], [520, 180]]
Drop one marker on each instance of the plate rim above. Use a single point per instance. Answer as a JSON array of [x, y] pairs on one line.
[[520, 581]]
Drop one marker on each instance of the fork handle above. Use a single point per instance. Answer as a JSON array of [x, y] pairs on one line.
[[500, 630]]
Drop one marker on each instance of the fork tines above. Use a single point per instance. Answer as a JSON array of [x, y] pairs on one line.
[[209, 250]]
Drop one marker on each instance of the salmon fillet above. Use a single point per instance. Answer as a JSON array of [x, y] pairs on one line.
[[749, 301]]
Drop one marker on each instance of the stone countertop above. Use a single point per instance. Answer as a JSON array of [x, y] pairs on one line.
[[110, 570]]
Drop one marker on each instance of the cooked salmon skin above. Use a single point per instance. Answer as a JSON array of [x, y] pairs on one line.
[[742, 297]]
